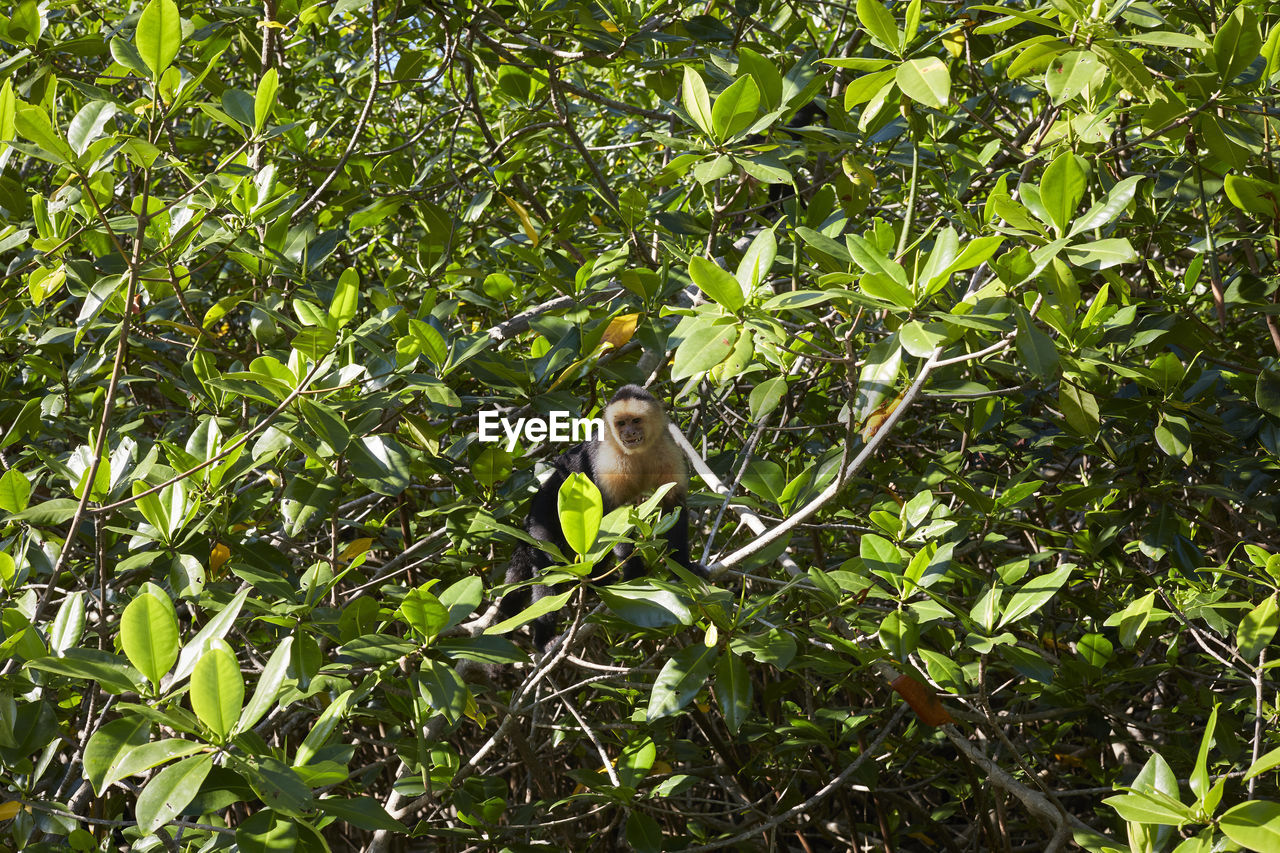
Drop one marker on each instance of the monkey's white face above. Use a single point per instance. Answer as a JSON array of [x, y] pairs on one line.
[[631, 426]]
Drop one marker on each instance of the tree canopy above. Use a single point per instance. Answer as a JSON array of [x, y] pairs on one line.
[[968, 312]]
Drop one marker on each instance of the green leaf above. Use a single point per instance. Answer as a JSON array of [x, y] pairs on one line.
[[1267, 392], [1265, 762], [268, 687], [880, 25], [645, 605], [1036, 348], [1128, 70], [925, 80], [757, 261], [1061, 189], [143, 757], [1034, 55], [1149, 808], [717, 283], [825, 244], [766, 396], [89, 123], [215, 629], [217, 689], [1096, 649], [326, 424], [919, 339], [8, 111], [111, 671], [265, 99], [33, 123], [15, 491], [706, 345], [149, 633], [1253, 195], [681, 678], [68, 625], [25, 24], [423, 612], [266, 831], [899, 633], [1237, 43], [1034, 594], [766, 75], [864, 88], [581, 509], [878, 377], [1102, 254], [880, 555], [1079, 408], [1270, 52], [381, 463], [362, 812], [1167, 38], [1105, 211], [1199, 780], [644, 834], [873, 261], [127, 55], [733, 690], [170, 791], [276, 783], [735, 108], [884, 287], [1255, 825], [315, 342], [326, 724], [1258, 628], [1069, 73], [462, 598], [546, 604], [159, 35], [346, 297], [108, 746], [56, 511], [697, 103]]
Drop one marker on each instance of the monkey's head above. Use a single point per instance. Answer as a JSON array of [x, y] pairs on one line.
[[634, 418]]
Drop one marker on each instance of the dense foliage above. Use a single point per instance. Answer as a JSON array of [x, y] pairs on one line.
[[968, 311]]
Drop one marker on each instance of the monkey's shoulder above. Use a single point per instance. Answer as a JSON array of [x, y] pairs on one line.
[[576, 460]]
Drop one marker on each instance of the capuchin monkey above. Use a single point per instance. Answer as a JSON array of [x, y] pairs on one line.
[[635, 457]]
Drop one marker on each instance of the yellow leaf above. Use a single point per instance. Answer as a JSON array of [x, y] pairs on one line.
[[525, 222], [355, 548], [10, 809], [620, 330], [473, 711], [609, 26], [878, 417], [218, 556]]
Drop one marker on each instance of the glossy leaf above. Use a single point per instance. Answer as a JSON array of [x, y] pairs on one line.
[[159, 35], [217, 689], [170, 790], [149, 634]]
